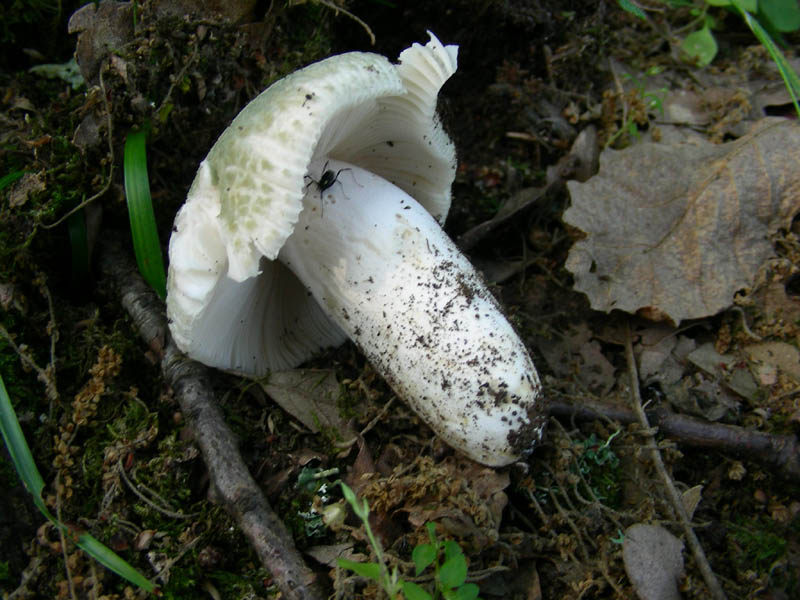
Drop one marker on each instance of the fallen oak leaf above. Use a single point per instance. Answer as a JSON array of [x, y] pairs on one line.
[[678, 229]]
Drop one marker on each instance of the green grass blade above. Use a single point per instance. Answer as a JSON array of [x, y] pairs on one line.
[[26, 468], [112, 561], [19, 451], [8, 179], [140, 211], [790, 77]]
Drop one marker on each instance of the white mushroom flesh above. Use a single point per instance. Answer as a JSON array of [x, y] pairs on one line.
[[384, 271]]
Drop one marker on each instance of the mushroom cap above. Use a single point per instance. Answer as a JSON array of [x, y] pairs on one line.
[[230, 304]]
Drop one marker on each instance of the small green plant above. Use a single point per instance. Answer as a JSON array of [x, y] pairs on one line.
[[450, 574], [599, 464], [641, 103], [313, 481], [446, 557], [599, 454]]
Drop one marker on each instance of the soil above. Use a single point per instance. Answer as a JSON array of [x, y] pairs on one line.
[[109, 438]]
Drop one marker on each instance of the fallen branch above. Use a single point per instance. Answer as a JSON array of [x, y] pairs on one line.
[[232, 486], [778, 453]]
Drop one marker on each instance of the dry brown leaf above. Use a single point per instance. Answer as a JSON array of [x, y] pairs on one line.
[[678, 229], [310, 396], [29, 183], [725, 368], [779, 355], [575, 354], [329, 554], [691, 499]]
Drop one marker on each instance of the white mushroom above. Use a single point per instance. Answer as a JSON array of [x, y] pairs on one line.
[[313, 219]]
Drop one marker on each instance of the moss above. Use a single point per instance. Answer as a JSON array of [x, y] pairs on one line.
[[183, 582], [760, 545]]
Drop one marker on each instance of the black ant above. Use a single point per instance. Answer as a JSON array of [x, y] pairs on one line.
[[327, 179]]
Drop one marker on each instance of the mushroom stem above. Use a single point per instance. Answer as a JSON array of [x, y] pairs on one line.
[[384, 271]]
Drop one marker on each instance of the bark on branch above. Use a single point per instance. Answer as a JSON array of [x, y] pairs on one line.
[[232, 486], [779, 453]]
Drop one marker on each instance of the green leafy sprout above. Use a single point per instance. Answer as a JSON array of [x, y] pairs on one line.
[[446, 557], [599, 465]]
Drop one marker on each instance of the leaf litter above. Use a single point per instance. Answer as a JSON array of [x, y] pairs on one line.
[[557, 513]]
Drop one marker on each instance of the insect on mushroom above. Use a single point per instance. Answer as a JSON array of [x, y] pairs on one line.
[[326, 180], [259, 281]]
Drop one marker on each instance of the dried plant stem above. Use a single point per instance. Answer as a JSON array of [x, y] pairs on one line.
[[134, 488], [63, 539], [672, 493]]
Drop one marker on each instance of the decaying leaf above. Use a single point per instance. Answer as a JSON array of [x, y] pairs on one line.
[[653, 561], [575, 354], [661, 354], [310, 396], [330, 553], [726, 368], [691, 499], [465, 498], [678, 229], [28, 184], [777, 355]]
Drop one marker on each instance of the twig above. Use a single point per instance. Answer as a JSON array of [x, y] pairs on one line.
[[93, 589], [52, 331], [232, 486], [178, 78], [780, 453], [672, 493], [31, 571], [378, 418], [337, 9]]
